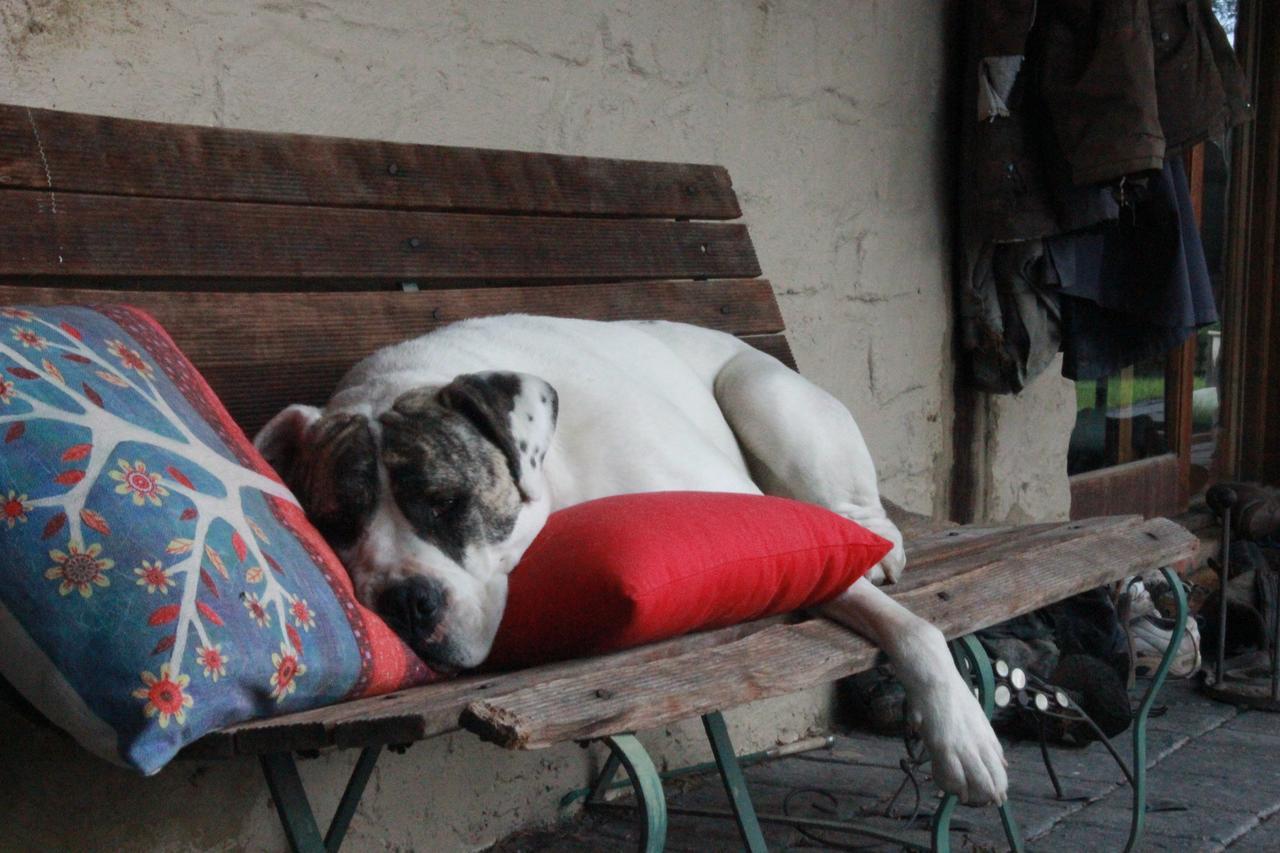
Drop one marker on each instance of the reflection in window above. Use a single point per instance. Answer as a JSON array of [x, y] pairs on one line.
[[1119, 419]]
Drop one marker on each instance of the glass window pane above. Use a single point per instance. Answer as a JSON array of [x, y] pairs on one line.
[[1119, 419]]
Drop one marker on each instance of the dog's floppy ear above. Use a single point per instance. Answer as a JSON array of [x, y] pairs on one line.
[[331, 464], [280, 441], [517, 412]]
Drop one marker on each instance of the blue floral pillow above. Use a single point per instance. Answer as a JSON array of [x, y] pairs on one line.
[[157, 580]]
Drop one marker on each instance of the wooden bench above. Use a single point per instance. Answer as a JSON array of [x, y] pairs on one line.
[[277, 260]]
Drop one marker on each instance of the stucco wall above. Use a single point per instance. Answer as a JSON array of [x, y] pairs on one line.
[[829, 116]]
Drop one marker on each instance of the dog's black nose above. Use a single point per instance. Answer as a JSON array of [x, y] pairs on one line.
[[413, 608]]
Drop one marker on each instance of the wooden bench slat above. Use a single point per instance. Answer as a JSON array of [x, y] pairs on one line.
[[928, 561], [788, 658], [429, 711], [69, 234], [261, 356], [70, 152]]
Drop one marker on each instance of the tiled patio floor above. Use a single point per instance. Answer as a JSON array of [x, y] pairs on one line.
[[1214, 785]]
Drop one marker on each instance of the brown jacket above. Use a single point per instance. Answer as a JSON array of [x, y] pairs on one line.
[[1076, 100], [1107, 90]]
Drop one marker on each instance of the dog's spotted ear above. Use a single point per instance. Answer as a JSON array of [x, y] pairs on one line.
[[331, 464], [517, 412]]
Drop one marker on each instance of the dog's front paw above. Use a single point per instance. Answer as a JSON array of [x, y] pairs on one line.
[[889, 569], [965, 753]]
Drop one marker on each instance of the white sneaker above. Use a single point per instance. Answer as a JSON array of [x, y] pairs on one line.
[[1149, 634]]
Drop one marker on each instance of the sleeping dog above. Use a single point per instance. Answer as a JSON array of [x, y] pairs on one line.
[[437, 461]]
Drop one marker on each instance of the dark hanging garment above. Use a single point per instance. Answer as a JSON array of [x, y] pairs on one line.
[[1078, 104], [1135, 288]]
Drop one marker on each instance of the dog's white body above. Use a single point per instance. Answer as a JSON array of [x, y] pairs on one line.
[[647, 406]]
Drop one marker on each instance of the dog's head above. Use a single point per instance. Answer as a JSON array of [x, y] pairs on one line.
[[429, 503]]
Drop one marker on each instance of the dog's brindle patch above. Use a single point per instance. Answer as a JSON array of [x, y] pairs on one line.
[[445, 464], [336, 481]]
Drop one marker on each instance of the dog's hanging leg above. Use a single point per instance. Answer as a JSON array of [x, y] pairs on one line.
[[802, 443], [971, 660], [965, 754]]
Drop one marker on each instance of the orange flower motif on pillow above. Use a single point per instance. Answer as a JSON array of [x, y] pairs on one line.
[[257, 611], [214, 661], [302, 614], [165, 696], [135, 479], [79, 568], [130, 358], [151, 574], [13, 509], [288, 668], [29, 338]]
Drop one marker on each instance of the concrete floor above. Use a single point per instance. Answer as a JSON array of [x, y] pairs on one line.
[[1214, 785]]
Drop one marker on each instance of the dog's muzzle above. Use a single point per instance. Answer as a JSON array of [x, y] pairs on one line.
[[413, 609]]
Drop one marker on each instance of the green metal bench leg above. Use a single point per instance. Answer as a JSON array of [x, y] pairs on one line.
[[626, 751], [351, 798], [972, 661], [1138, 819], [299, 823], [605, 780], [735, 785]]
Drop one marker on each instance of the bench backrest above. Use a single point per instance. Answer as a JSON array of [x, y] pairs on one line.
[[278, 260]]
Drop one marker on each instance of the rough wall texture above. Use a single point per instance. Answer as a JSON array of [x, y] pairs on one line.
[[828, 114], [1022, 451]]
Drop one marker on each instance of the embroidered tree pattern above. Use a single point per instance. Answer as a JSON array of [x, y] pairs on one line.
[[109, 402]]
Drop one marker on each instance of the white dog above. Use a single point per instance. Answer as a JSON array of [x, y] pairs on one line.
[[437, 461]]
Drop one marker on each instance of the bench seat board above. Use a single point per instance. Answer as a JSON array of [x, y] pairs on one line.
[[950, 580], [71, 152]]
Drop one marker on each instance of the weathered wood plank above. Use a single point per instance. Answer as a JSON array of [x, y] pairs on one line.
[[429, 711], [75, 234], [951, 555], [785, 659], [72, 152], [260, 354]]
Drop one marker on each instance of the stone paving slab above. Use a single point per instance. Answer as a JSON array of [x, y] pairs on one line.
[[1256, 721], [1264, 838], [1220, 762]]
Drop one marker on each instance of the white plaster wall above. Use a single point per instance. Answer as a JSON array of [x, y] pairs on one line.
[[1022, 451], [828, 115]]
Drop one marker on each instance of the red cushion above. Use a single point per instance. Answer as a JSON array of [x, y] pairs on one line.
[[627, 570]]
